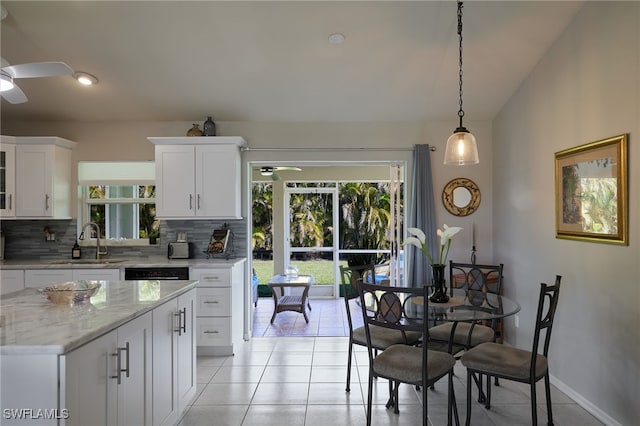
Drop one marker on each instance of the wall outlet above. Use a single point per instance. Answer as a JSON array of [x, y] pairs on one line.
[[517, 320]]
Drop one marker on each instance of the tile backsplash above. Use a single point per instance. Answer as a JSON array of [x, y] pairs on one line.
[[26, 239]]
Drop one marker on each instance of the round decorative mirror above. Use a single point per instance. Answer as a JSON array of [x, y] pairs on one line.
[[461, 196]]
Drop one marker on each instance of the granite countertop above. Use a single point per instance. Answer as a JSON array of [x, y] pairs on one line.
[[116, 263], [31, 324]]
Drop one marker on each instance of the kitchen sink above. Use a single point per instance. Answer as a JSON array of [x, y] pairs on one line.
[[86, 261]]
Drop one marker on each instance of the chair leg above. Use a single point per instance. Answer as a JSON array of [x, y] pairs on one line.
[[425, 410], [468, 420], [395, 398], [547, 389], [348, 388], [369, 397], [449, 398], [534, 410], [487, 400], [391, 401]]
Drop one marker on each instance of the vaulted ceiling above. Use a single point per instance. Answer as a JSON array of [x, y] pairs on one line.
[[271, 61]]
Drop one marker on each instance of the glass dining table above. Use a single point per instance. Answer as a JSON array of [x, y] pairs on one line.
[[462, 306]]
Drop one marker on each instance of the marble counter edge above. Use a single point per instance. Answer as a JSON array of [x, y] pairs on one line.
[[26, 264], [81, 340]]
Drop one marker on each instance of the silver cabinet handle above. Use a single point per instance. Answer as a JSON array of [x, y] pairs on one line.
[[182, 321], [211, 332], [211, 278], [119, 369], [46, 201], [190, 201], [198, 201], [183, 312], [212, 302], [10, 200]]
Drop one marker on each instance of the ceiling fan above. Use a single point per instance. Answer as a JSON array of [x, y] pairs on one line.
[[11, 92], [270, 170]]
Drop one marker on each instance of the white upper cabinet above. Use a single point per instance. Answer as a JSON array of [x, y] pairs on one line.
[[42, 177], [198, 177]]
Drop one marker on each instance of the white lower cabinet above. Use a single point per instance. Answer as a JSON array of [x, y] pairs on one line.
[[11, 280], [108, 380], [174, 357], [220, 307]]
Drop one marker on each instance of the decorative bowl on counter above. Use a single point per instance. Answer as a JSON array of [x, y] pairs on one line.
[[71, 292]]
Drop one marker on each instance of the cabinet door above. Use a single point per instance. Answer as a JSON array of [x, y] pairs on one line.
[[34, 180], [88, 389], [45, 277], [11, 280], [187, 350], [134, 390], [165, 399], [7, 180], [217, 181], [175, 187]]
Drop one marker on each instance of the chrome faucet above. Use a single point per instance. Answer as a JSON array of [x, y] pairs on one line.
[[97, 229]]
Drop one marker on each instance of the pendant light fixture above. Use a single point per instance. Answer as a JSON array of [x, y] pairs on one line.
[[461, 146]]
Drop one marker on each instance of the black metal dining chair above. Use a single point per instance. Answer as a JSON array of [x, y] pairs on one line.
[[401, 309], [381, 338], [496, 360], [482, 278]]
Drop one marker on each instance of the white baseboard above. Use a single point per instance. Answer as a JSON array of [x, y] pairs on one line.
[[584, 403]]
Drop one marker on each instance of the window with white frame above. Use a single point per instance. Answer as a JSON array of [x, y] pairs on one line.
[[120, 198]]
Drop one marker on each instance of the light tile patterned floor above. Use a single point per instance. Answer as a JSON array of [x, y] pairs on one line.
[[327, 317], [294, 373], [300, 381]]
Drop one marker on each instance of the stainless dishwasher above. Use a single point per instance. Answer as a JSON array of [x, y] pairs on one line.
[[157, 273]]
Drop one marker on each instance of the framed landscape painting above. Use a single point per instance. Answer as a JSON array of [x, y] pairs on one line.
[[591, 191]]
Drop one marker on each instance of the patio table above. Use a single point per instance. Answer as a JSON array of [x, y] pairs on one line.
[[287, 302]]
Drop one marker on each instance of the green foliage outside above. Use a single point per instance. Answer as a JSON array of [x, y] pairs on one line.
[[364, 219]]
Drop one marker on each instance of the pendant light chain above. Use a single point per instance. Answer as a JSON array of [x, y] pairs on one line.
[[460, 111], [461, 148]]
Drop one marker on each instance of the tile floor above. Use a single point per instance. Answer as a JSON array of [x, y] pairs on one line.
[[294, 374]]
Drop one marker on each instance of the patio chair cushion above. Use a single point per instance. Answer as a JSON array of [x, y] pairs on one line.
[[404, 363]]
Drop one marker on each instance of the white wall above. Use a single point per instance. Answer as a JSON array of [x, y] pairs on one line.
[[128, 141], [586, 88]]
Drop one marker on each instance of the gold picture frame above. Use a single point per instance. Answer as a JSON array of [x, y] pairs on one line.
[[591, 192]]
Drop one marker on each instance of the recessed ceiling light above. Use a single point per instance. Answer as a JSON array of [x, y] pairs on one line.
[[336, 38], [85, 78]]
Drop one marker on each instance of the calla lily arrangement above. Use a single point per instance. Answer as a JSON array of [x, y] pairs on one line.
[[420, 240]]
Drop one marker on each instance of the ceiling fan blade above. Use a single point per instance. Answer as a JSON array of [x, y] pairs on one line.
[[38, 69], [293, 168], [14, 96]]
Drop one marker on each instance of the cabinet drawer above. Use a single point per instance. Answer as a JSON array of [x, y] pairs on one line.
[[214, 331], [45, 277], [211, 277], [214, 302]]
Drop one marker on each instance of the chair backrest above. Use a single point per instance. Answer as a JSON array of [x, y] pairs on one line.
[[468, 276], [349, 287], [547, 304], [398, 308]]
